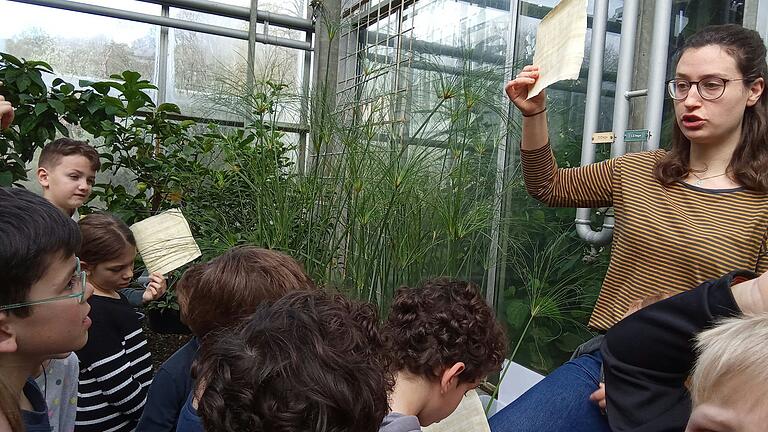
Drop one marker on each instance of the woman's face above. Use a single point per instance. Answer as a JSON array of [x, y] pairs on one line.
[[712, 122]]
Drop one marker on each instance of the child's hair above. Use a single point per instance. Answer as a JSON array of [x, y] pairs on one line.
[[440, 323], [105, 238], [32, 233], [187, 284], [309, 362], [55, 150], [231, 286], [735, 348]]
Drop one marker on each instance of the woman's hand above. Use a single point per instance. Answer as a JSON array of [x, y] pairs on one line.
[[598, 397], [517, 91], [155, 288]]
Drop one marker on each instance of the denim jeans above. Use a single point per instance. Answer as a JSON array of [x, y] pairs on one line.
[[558, 403]]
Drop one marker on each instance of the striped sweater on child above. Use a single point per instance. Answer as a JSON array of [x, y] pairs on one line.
[[115, 369], [667, 239]]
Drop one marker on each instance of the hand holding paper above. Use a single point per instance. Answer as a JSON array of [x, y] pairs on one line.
[[517, 91], [560, 44]]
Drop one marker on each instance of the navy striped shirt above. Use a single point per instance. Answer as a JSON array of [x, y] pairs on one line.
[[115, 369]]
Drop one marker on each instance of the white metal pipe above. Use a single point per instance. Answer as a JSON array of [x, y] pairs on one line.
[[591, 118], [624, 75], [657, 73], [238, 12], [165, 21]]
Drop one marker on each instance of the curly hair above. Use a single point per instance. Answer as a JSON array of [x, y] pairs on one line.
[[310, 362], [440, 323]]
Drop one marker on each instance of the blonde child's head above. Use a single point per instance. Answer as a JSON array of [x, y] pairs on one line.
[[730, 380]]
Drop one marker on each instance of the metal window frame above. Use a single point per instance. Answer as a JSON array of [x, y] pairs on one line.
[[249, 14]]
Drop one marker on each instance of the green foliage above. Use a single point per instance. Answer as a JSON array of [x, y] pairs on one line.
[[39, 114], [169, 300], [382, 201]]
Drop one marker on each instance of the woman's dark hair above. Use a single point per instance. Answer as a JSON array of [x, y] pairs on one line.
[[749, 163], [32, 233], [231, 286], [440, 323], [309, 362], [105, 238]]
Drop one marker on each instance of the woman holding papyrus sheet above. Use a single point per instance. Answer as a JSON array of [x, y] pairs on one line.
[[683, 216]]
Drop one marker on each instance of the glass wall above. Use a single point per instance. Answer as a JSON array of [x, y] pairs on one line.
[[436, 55], [203, 70]]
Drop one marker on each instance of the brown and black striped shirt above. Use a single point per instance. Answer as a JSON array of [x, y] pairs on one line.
[[667, 239]]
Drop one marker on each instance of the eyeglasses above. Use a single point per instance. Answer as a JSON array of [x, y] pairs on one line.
[[709, 88], [76, 284]]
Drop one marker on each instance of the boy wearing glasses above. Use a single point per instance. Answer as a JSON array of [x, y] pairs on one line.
[[43, 308]]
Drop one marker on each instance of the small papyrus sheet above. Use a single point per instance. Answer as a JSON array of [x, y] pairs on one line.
[[468, 417], [560, 44], [165, 241]]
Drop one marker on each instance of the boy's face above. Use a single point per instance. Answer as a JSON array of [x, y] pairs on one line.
[[732, 409], [56, 327], [69, 183]]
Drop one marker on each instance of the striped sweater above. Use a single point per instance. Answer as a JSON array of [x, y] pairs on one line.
[[115, 369], [666, 239]]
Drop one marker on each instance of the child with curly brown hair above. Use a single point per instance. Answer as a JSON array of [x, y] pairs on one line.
[[443, 340], [309, 362]]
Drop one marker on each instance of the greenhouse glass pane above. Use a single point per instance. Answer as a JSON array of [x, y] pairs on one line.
[[98, 48]]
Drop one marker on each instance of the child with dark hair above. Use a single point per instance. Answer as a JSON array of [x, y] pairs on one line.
[[43, 309], [443, 339], [309, 362], [66, 171], [115, 364], [213, 296]]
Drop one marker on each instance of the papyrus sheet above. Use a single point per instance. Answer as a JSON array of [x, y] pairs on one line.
[[165, 241], [560, 44], [468, 417]]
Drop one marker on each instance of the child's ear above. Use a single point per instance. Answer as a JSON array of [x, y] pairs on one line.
[[7, 334], [84, 266], [42, 177], [449, 379]]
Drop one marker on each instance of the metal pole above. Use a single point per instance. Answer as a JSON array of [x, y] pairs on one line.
[[162, 61], [165, 21], [252, 27], [306, 80], [237, 12], [506, 149], [657, 73], [624, 75], [591, 118]]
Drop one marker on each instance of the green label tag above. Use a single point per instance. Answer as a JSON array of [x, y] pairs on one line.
[[636, 135]]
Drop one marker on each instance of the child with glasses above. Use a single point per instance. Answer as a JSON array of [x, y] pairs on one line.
[[683, 215], [43, 308], [115, 364]]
